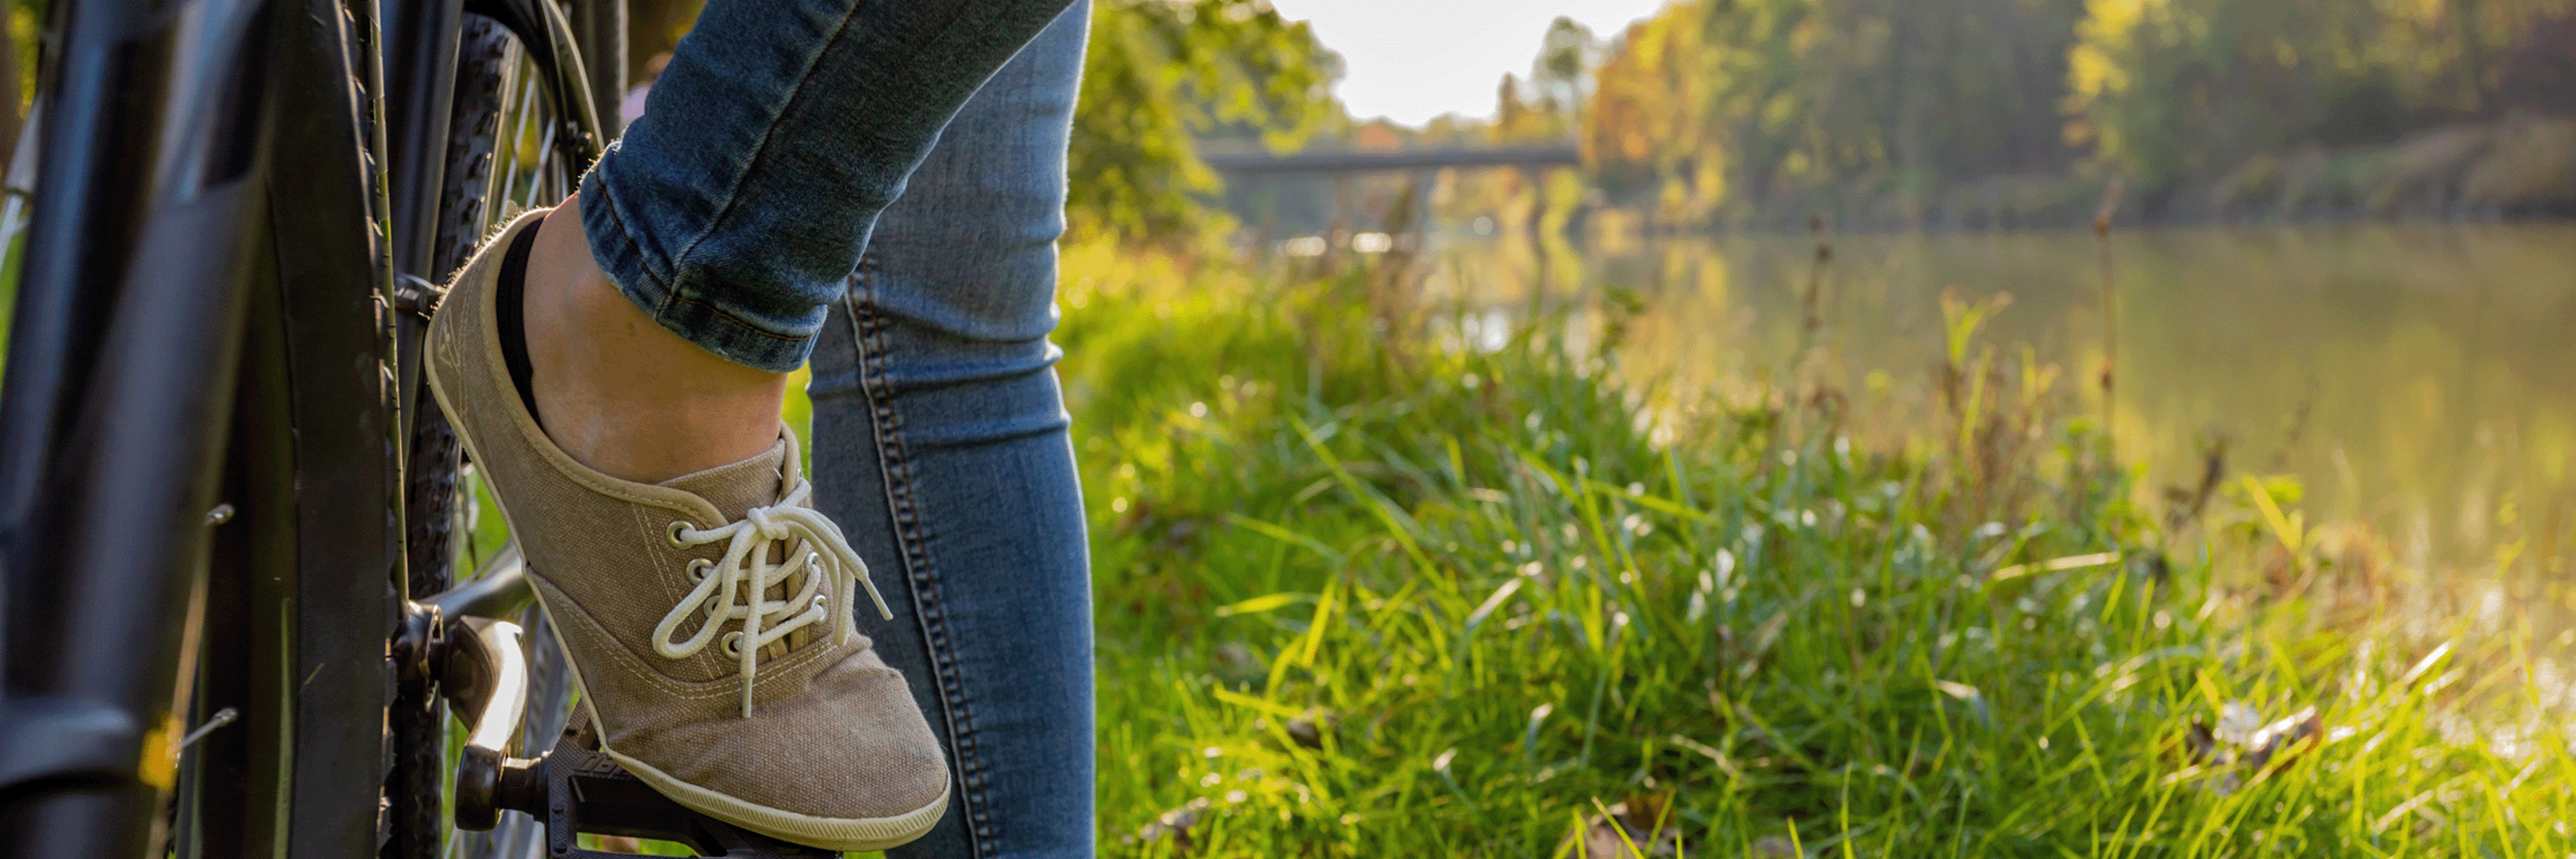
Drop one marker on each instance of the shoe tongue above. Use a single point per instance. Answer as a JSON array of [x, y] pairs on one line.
[[756, 482]]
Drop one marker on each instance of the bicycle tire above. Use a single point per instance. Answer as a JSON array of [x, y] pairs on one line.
[[486, 120], [415, 789], [264, 269]]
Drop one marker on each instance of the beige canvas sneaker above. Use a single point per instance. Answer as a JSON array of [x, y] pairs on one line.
[[708, 618]]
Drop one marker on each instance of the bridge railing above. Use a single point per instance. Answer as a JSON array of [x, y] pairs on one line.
[[1371, 162]]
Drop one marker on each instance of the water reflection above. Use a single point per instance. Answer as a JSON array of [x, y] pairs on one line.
[[2413, 377]]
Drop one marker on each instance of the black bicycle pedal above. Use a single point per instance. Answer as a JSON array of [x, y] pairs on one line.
[[579, 791]]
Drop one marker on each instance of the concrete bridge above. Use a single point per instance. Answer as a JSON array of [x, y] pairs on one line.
[[1348, 163], [1343, 172]]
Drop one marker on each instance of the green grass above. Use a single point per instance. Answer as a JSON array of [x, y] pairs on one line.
[[1360, 595]]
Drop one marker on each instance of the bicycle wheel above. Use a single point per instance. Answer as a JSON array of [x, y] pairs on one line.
[[208, 269], [502, 159]]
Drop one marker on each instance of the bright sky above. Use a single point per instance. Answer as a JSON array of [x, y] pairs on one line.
[[1411, 60]]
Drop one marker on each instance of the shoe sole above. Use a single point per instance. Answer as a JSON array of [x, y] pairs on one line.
[[833, 833], [830, 833]]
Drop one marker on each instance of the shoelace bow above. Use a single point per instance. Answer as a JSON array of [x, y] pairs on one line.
[[737, 587]]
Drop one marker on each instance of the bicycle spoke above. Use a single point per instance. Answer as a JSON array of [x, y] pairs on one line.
[[468, 511], [516, 107], [545, 157]]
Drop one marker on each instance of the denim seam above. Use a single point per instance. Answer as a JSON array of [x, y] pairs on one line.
[[746, 324], [655, 290], [644, 267], [733, 193], [710, 326], [867, 334]]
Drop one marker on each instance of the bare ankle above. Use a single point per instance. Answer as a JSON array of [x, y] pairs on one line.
[[617, 391]]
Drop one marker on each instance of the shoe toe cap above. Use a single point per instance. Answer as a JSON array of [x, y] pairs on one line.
[[855, 746]]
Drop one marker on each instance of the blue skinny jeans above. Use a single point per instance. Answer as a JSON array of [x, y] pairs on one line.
[[879, 186]]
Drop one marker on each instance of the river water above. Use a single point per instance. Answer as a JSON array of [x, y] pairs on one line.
[[2417, 379]]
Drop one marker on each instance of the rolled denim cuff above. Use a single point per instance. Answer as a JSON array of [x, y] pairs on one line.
[[731, 330]]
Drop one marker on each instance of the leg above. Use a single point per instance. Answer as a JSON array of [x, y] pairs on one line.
[[729, 215], [940, 444], [733, 210], [712, 616]]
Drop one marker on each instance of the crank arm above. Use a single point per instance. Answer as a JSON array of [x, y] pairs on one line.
[[483, 674], [577, 790], [484, 677], [478, 665], [498, 589]]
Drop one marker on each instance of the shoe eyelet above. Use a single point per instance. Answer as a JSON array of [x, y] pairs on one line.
[[733, 644], [676, 528], [698, 570], [821, 604]]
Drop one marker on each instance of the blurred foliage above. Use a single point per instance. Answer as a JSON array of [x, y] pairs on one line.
[[1547, 104], [653, 28], [2175, 88], [1162, 73], [1719, 98], [1888, 109]]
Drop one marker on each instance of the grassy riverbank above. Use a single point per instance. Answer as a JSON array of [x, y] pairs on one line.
[[1361, 595]]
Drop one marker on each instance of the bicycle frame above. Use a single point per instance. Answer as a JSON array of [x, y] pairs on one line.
[[203, 279]]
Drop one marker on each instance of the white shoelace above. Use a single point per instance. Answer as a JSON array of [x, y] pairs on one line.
[[736, 588]]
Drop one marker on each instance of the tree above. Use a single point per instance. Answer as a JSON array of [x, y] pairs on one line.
[[1161, 74], [1771, 98], [2173, 89]]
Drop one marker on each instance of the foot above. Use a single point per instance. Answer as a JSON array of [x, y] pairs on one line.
[[619, 392], [708, 616]]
